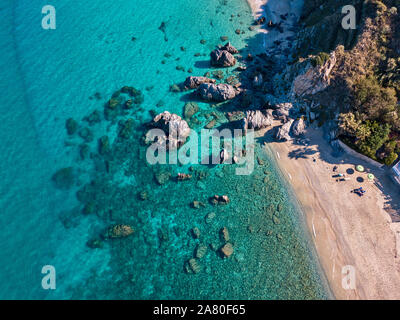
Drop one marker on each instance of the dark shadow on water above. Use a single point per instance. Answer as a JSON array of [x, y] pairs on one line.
[[204, 64]]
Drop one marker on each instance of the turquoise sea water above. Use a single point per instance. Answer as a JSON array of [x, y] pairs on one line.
[[51, 75]]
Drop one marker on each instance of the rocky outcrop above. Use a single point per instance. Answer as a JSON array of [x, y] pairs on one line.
[[175, 128], [313, 79], [283, 132], [216, 92], [256, 120], [195, 82], [222, 58], [299, 127]]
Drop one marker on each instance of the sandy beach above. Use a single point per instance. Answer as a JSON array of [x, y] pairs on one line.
[[347, 230]]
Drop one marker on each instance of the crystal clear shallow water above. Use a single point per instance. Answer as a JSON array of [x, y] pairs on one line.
[[50, 76]]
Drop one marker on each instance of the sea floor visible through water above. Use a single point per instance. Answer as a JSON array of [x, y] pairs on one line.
[[71, 72]]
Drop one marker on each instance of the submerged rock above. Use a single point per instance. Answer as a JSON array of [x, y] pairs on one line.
[[225, 234], [174, 88], [227, 250], [86, 134], [143, 195], [190, 109], [95, 244], [64, 178], [197, 204], [119, 231], [184, 176], [84, 151], [71, 125], [195, 82], [216, 92], [200, 251], [162, 177], [194, 266], [104, 145], [93, 118], [210, 217], [196, 233]]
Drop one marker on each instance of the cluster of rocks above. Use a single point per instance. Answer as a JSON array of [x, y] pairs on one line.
[[208, 89], [223, 56]]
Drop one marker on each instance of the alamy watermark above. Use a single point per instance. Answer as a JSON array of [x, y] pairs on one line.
[[348, 277], [236, 148], [49, 20], [349, 20], [49, 280]]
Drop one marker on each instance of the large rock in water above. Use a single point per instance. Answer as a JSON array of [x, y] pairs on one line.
[[175, 128], [299, 127], [216, 92], [256, 120], [195, 82], [222, 58], [284, 130]]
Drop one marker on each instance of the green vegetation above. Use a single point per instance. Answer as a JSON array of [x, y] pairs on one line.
[[372, 121], [320, 59]]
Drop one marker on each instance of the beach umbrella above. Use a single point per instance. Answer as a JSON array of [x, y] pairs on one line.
[[370, 176], [360, 168]]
